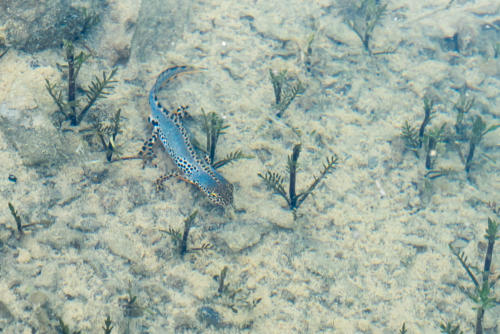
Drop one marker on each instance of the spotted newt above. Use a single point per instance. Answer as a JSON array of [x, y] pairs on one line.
[[168, 128]]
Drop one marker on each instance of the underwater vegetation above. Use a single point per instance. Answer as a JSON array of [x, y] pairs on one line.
[[233, 298], [286, 89], [213, 125], [482, 294], [275, 181], [362, 17], [479, 130], [19, 224], [466, 130], [180, 239], [462, 108], [104, 126], [69, 107]]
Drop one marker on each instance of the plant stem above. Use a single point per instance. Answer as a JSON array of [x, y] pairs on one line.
[[293, 175]]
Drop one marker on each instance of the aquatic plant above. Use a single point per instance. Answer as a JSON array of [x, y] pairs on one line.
[[449, 328], [107, 325], [19, 224], [286, 89], [214, 126], [479, 130], [362, 17], [410, 135], [462, 107], [413, 137], [482, 295], [17, 218], [275, 181], [432, 138], [98, 89], [233, 299], [180, 239], [64, 329], [428, 104], [221, 278]]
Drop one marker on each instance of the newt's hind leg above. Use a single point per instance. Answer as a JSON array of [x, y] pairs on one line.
[[161, 180], [177, 174]]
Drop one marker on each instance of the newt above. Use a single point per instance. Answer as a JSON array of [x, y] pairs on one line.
[[169, 129]]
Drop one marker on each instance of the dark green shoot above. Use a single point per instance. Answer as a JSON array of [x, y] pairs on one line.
[[462, 107], [98, 89], [292, 170], [180, 239], [221, 278], [275, 182], [403, 329], [449, 328], [19, 224], [213, 126], [107, 325], [479, 130], [131, 308], [17, 218], [410, 135], [363, 19], [278, 80], [482, 296], [428, 104], [413, 138], [286, 88], [64, 329], [433, 137]]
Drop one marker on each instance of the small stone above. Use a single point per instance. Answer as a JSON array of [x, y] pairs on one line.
[[209, 316]]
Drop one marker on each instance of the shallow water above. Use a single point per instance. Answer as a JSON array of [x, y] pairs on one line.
[[365, 253]]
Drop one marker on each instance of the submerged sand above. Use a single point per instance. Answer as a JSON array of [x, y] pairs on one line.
[[368, 250]]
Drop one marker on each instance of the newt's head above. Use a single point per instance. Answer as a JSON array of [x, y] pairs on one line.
[[219, 192]]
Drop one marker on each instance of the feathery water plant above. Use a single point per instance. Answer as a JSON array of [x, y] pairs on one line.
[[180, 239], [98, 88], [286, 89], [479, 130], [362, 17], [275, 181], [462, 107], [213, 126], [482, 294]]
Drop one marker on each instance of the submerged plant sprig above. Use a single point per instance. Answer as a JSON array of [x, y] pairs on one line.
[[462, 107], [363, 18], [482, 294], [98, 88], [181, 238], [286, 89], [213, 125], [275, 181], [479, 130]]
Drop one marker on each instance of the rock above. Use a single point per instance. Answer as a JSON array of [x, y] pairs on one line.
[[160, 23], [209, 316], [33, 25]]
